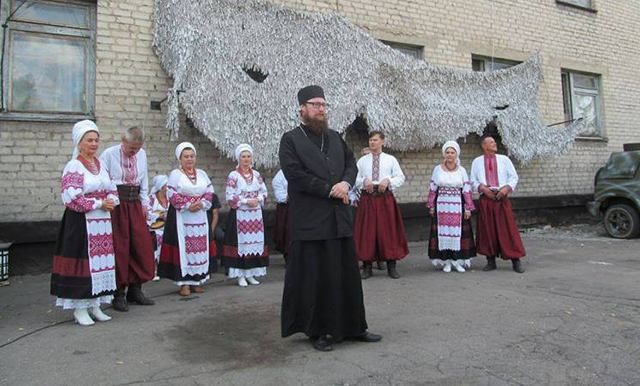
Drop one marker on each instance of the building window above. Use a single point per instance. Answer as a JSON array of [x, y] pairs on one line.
[[483, 63], [48, 64], [581, 99], [407, 49], [582, 4]]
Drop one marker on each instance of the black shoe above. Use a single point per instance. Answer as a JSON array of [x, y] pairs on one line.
[[322, 343], [517, 265], [491, 264], [119, 302], [368, 337], [380, 265], [367, 271], [135, 295], [391, 270]]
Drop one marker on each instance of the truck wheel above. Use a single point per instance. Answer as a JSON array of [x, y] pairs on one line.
[[622, 221]]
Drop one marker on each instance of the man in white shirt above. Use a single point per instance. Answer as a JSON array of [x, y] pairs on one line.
[[281, 233], [379, 231], [126, 164], [494, 178]]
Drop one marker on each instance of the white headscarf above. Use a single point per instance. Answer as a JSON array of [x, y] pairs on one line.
[[158, 182], [184, 145], [79, 130], [242, 147], [455, 146]]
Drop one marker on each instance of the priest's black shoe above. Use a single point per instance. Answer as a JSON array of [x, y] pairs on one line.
[[119, 302], [368, 337], [367, 271], [322, 343], [135, 295], [391, 270], [517, 265], [491, 264]]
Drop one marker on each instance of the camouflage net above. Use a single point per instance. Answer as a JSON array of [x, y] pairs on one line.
[[237, 66]]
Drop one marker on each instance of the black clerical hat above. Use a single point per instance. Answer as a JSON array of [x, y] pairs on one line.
[[310, 92]]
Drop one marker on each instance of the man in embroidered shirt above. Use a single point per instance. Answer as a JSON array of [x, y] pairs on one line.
[[322, 295], [495, 178], [379, 230], [126, 164]]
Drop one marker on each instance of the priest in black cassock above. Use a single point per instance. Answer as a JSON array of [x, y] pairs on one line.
[[322, 295]]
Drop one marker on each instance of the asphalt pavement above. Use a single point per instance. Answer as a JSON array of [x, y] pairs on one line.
[[573, 318]]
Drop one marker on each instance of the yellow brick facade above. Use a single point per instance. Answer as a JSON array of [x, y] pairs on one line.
[[129, 76]]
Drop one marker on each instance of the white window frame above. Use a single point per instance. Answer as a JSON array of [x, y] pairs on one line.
[[587, 5], [489, 63], [59, 31], [570, 92], [411, 50]]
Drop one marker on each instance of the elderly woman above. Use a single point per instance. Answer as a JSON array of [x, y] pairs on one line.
[[83, 274], [159, 204], [188, 247], [245, 253], [450, 204]]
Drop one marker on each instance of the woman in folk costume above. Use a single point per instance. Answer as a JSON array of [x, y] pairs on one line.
[[450, 204], [159, 204], [245, 252], [83, 273], [188, 247]]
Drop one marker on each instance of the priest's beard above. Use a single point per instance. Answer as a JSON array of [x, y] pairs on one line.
[[318, 124]]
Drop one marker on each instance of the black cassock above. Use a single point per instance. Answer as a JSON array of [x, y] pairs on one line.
[[322, 287]]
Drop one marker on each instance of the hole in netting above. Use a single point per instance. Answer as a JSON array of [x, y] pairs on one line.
[[255, 73]]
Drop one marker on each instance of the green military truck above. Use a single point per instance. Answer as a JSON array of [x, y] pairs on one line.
[[617, 193]]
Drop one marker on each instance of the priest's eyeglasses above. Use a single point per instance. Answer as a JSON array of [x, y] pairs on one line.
[[318, 105]]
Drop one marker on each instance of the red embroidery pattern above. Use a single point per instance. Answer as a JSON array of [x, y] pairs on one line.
[[375, 169], [80, 204], [129, 166], [234, 201], [449, 219], [195, 244], [208, 196], [100, 245], [100, 194], [491, 170], [72, 180], [250, 226], [232, 182], [179, 200]]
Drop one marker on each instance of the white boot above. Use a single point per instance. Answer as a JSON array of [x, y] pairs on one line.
[[252, 280], [98, 315], [242, 282], [458, 266], [82, 317], [447, 267]]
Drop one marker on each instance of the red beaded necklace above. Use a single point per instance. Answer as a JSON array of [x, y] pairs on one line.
[[92, 166]]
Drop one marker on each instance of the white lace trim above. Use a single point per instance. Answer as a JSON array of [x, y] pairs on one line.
[[72, 304], [465, 263], [256, 272], [192, 282]]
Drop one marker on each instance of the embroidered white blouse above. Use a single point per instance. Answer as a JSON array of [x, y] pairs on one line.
[[127, 170], [507, 174], [389, 169]]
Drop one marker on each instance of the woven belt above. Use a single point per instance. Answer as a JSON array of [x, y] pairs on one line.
[[128, 193]]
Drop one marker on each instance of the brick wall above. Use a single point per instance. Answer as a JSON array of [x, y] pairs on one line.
[[129, 76]]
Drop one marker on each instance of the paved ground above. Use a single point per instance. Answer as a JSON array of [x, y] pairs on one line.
[[572, 319]]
